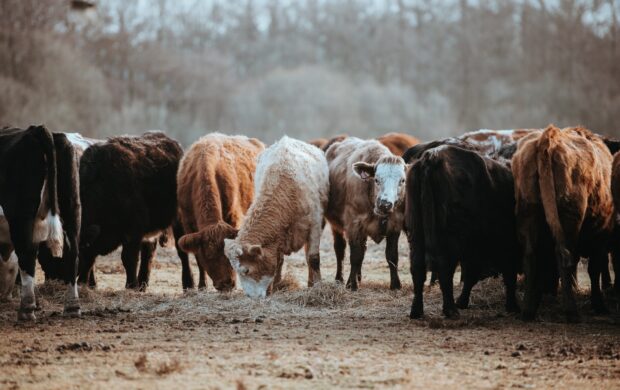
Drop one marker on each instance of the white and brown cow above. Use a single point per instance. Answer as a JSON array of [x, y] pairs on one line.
[[493, 143], [29, 205], [291, 188], [366, 200]]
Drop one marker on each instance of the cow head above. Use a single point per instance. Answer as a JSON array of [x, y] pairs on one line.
[[388, 176], [255, 265], [208, 247]]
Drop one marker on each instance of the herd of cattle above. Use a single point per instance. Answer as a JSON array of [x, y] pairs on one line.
[[494, 202]]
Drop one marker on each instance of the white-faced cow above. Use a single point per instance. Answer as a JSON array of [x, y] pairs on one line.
[[291, 187], [366, 200]]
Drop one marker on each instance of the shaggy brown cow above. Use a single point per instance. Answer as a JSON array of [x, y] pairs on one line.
[[215, 188], [398, 143], [562, 187], [365, 200], [128, 193], [291, 187]]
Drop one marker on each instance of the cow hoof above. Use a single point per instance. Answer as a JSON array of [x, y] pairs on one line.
[[352, 285], [573, 317], [395, 285], [451, 313], [72, 311], [26, 314], [416, 313], [339, 278], [462, 303]]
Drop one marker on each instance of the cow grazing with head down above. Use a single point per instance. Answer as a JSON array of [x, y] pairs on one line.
[[460, 207], [215, 189], [128, 192], [291, 188], [564, 202], [29, 205], [366, 200]]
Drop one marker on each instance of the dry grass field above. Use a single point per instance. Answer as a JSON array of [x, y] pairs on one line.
[[323, 337]]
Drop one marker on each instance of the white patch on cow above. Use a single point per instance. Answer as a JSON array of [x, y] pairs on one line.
[[232, 251], [253, 288], [5, 232], [8, 273], [390, 178], [27, 296], [49, 229]]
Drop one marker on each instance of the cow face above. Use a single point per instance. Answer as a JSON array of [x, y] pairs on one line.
[[388, 176], [208, 247], [252, 264]]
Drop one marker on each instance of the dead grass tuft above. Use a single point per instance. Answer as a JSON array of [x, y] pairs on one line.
[[288, 283], [323, 294]]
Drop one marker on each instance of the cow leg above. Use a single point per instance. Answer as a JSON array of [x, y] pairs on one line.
[[615, 261], [129, 255], [276, 284], [202, 278], [70, 268], [21, 235], [86, 268], [391, 255], [313, 257], [434, 278], [147, 253], [187, 279], [418, 276], [605, 275], [340, 244], [567, 279], [358, 250], [510, 284], [446, 282], [595, 264], [469, 281]]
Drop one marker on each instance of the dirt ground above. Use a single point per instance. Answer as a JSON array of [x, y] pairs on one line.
[[323, 337]]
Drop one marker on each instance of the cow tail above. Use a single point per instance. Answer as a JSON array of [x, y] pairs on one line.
[[548, 195], [55, 238]]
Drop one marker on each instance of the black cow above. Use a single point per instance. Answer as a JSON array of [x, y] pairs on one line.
[[28, 198], [128, 192], [460, 207]]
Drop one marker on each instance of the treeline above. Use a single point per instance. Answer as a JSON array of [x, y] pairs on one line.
[[309, 68]]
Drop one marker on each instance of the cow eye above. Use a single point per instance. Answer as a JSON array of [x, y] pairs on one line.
[[402, 181], [376, 181]]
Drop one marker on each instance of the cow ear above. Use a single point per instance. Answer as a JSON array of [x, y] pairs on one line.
[[364, 170], [255, 250], [191, 243]]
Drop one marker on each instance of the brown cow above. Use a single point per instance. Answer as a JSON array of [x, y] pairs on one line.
[[215, 189], [615, 190], [365, 200], [318, 142], [398, 143], [562, 186], [292, 186]]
